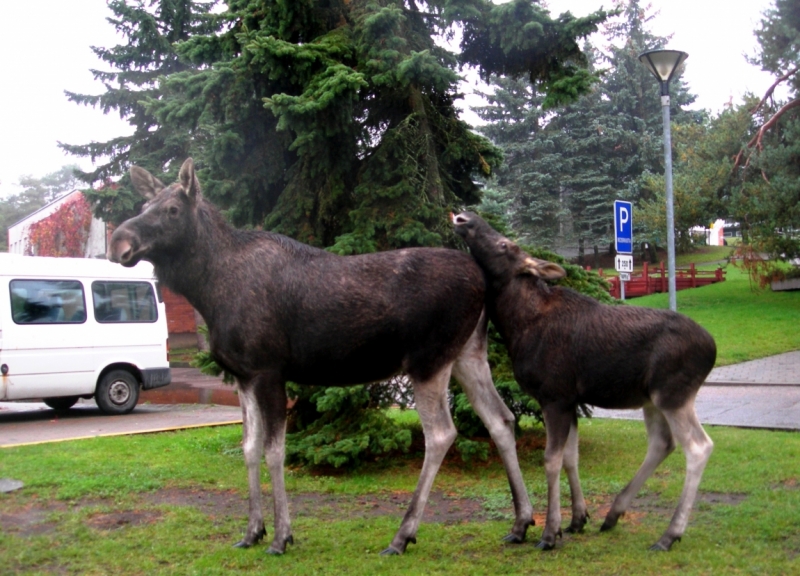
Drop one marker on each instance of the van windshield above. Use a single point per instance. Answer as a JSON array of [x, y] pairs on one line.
[[124, 301], [47, 302]]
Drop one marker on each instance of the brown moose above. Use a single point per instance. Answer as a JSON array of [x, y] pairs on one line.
[[280, 310], [568, 349]]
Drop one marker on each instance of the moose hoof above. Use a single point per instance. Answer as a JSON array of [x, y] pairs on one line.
[[664, 544], [278, 548], [577, 524], [248, 541], [514, 538], [608, 524], [544, 545], [397, 549]]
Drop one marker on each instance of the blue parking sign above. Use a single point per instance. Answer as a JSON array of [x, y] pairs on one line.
[[623, 226]]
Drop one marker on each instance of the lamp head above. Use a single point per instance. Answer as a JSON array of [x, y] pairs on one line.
[[663, 64]]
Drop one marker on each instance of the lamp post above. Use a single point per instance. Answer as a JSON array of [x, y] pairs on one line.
[[663, 64]]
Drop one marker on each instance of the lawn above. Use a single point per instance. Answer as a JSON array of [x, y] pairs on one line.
[[174, 503], [746, 322]]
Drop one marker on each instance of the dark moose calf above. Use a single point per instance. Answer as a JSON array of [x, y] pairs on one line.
[[567, 349], [280, 310]]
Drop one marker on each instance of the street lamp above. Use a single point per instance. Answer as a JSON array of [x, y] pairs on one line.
[[663, 64]]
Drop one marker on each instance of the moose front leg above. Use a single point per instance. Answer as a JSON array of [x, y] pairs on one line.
[[253, 447], [557, 423], [264, 416], [579, 514], [273, 399]]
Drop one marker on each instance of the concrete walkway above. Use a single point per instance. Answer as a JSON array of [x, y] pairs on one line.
[[780, 370], [761, 393]]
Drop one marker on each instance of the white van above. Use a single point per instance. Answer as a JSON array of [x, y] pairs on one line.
[[75, 328]]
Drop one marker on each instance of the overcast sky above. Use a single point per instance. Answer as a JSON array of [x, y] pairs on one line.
[[45, 49]]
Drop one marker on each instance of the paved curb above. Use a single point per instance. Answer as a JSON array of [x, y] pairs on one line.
[[708, 383]]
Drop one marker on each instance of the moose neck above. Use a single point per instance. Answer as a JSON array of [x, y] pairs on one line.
[[504, 297], [198, 268]]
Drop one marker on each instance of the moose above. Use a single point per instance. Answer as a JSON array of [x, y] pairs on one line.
[[567, 349], [280, 310]]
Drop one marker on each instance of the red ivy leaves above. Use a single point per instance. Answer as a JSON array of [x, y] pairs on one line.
[[63, 233]]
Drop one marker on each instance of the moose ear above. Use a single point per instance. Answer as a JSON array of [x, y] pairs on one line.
[[145, 183], [189, 181], [542, 269]]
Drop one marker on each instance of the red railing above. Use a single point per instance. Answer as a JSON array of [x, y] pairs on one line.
[[651, 281]]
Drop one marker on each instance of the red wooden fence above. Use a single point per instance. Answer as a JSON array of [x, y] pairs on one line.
[[651, 281]]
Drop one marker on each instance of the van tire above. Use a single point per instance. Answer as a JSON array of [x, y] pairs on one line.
[[61, 403], [118, 392]]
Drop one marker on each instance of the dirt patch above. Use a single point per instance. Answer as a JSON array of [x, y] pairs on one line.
[[217, 505], [33, 519], [213, 503], [116, 520], [729, 498]]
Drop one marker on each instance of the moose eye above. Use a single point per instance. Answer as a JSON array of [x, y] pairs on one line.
[[173, 211], [503, 246]]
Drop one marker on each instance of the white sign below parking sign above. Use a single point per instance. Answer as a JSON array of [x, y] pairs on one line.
[[623, 263]]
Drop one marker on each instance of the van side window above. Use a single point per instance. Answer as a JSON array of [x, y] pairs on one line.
[[124, 301], [47, 302]]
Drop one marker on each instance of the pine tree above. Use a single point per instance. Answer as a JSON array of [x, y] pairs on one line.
[[582, 157], [332, 121], [529, 177], [151, 29]]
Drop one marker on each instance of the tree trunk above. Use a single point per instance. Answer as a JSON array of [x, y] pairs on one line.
[[653, 253], [433, 181], [581, 259], [596, 257]]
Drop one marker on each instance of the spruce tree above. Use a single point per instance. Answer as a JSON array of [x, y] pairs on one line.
[[151, 29], [583, 156], [332, 121]]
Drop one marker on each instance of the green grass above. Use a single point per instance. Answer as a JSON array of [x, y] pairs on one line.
[[747, 323], [80, 483]]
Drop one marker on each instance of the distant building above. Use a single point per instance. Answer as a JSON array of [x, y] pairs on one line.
[[720, 232], [19, 233], [180, 314]]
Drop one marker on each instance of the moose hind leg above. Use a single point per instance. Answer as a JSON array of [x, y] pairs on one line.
[[253, 446], [579, 514], [472, 371], [659, 445], [697, 447], [430, 397]]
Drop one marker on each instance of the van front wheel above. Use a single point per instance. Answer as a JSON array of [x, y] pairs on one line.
[[117, 393]]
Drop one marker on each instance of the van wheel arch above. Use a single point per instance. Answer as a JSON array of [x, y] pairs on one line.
[[61, 403], [118, 390]]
